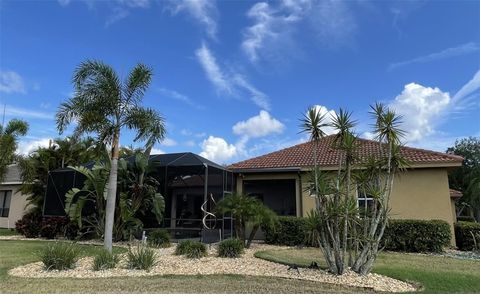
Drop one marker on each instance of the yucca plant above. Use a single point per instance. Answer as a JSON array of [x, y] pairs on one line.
[[105, 260], [60, 256], [141, 257]]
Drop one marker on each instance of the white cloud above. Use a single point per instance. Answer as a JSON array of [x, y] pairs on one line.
[[17, 112], [118, 13], [328, 118], [179, 97], [64, 2], [446, 53], [232, 84], [422, 107], [257, 126], [218, 150], [203, 11], [190, 143], [272, 33], [257, 96], [469, 88], [136, 3], [270, 27], [27, 146], [212, 70], [156, 151], [333, 22], [11, 82], [168, 142]]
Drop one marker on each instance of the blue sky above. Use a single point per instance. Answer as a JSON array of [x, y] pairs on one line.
[[232, 78]]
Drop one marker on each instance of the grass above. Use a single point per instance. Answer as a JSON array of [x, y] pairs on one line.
[[436, 274], [7, 232], [15, 253]]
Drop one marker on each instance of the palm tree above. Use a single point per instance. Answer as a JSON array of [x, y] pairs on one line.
[[313, 123], [246, 210], [61, 153], [9, 135], [103, 104]]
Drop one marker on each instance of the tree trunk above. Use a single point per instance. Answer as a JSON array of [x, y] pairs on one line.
[[111, 194], [252, 235]]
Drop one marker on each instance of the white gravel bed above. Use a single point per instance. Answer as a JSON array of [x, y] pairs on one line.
[[170, 264]]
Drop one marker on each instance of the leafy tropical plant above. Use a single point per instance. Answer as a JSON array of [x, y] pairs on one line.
[[105, 105], [191, 249], [9, 135], [467, 177], [138, 196], [246, 210], [60, 153], [346, 235]]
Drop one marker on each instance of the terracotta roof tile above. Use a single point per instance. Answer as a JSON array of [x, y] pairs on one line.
[[301, 156]]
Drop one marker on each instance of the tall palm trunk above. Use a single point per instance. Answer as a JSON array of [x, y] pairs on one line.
[[112, 193]]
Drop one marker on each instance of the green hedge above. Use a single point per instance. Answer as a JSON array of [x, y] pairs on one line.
[[464, 237], [400, 235], [288, 230], [417, 235]]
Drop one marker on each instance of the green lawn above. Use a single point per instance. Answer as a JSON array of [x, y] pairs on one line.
[[7, 232], [14, 253], [435, 273]]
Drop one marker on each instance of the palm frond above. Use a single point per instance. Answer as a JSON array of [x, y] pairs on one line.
[[313, 123], [137, 83]]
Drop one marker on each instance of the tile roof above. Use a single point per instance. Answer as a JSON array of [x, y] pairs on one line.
[[301, 156]]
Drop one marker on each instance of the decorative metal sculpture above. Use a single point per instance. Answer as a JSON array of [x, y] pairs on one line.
[[208, 216]]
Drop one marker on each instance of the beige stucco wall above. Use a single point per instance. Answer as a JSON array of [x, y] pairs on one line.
[[417, 194], [17, 206], [422, 194]]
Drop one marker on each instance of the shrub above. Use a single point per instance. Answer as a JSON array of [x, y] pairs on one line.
[[183, 247], [230, 248], [159, 238], [104, 260], [196, 250], [416, 235], [52, 226], [141, 257], [467, 235], [288, 230], [60, 256], [29, 225], [191, 249]]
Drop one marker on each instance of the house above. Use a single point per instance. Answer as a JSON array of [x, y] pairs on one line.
[[280, 180], [12, 201], [189, 182]]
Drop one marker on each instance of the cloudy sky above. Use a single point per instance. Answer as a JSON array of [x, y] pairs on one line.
[[232, 78]]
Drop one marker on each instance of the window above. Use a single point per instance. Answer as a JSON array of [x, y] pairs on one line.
[[5, 198], [364, 201]]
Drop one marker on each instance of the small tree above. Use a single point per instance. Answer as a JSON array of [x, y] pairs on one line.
[[105, 105], [9, 135], [345, 235], [467, 177], [246, 210]]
